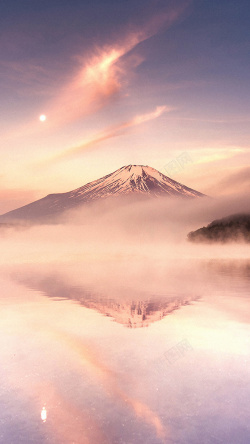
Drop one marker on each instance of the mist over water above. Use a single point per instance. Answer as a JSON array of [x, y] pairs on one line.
[[124, 332], [125, 226]]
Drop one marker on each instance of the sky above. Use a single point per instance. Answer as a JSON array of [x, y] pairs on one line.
[[150, 82]]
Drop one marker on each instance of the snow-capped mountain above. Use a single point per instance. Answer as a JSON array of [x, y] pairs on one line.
[[128, 180]]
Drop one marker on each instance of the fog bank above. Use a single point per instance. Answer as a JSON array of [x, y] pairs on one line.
[[150, 228]]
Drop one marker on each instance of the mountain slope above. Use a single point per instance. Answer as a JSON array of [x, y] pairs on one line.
[[128, 180]]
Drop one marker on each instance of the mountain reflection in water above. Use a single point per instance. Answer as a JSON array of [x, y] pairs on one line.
[[71, 375], [136, 310]]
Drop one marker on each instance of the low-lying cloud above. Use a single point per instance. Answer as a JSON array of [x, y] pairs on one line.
[[146, 227], [234, 183]]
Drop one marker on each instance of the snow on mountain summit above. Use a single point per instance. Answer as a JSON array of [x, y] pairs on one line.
[[128, 180], [133, 179]]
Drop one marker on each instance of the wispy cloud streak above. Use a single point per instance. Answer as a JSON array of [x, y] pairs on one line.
[[109, 133]]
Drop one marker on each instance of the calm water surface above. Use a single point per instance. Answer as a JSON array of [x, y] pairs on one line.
[[126, 352]]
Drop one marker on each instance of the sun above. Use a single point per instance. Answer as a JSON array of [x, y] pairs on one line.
[[42, 118]]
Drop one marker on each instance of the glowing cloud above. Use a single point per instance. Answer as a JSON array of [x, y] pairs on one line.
[[99, 78], [214, 155], [106, 72], [98, 81]]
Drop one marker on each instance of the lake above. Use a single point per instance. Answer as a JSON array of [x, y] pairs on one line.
[[125, 347]]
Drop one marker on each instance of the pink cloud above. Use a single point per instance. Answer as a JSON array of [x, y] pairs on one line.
[[97, 79]]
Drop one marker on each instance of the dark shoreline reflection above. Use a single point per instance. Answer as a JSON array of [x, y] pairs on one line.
[[234, 268], [228, 276]]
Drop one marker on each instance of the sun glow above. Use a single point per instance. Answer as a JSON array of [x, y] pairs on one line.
[[42, 118]]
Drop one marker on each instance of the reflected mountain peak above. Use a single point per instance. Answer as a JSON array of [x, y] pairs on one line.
[[136, 311]]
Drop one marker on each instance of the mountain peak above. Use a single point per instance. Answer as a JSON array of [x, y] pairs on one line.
[[138, 173], [136, 167], [140, 169]]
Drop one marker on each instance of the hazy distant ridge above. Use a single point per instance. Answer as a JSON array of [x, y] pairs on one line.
[[231, 228]]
